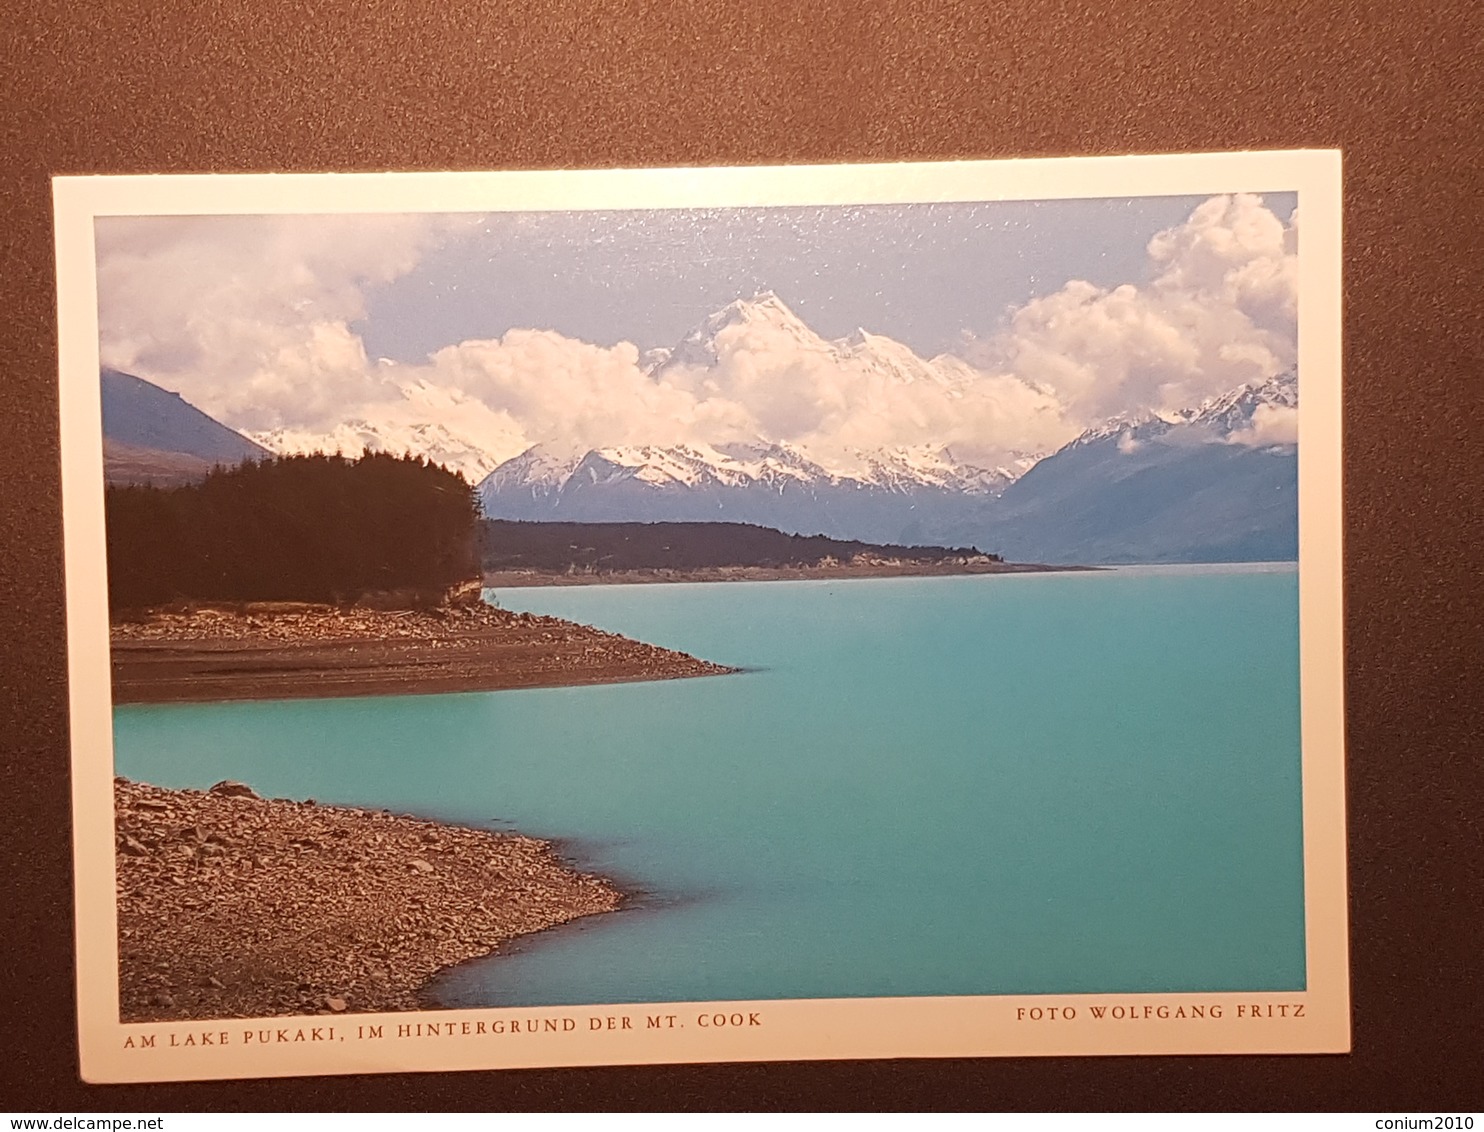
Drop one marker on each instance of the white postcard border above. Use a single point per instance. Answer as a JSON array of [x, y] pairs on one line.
[[1316, 1020]]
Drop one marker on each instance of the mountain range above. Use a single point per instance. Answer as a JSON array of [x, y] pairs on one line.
[[1201, 485], [465, 434], [1217, 481], [894, 494]]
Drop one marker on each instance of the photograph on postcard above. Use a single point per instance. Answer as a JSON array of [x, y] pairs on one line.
[[513, 610]]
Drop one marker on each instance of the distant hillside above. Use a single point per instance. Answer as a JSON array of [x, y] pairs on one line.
[[555, 547], [154, 436], [1208, 486], [1212, 503]]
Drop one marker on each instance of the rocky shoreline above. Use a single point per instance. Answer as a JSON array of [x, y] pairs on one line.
[[235, 906], [293, 650]]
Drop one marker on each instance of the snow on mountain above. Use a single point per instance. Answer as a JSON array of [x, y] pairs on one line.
[[1122, 424], [900, 495], [875, 353], [441, 423], [1225, 418], [537, 469], [931, 466], [888, 494], [651, 360], [776, 466], [1264, 412], [883, 494], [1217, 482], [701, 348], [1213, 482], [864, 354], [490, 448], [544, 470]]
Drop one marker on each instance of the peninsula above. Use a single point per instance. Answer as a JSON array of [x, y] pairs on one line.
[[294, 650], [235, 906]]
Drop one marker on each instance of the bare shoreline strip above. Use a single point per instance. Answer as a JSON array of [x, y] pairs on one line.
[[296, 651], [235, 906], [885, 568]]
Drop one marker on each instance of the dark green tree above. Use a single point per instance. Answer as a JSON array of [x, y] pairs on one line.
[[297, 528]]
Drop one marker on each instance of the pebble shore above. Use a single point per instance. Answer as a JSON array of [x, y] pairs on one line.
[[235, 906], [288, 651]]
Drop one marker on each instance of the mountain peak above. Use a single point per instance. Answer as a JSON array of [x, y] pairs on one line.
[[895, 361], [1233, 410], [762, 301], [764, 310], [1116, 425], [1217, 418]]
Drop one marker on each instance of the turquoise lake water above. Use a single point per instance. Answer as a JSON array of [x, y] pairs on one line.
[[1051, 783]]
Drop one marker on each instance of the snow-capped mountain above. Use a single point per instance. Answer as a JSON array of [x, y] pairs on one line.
[[443, 424], [1215, 482], [775, 485], [700, 349], [1231, 414], [1234, 417], [466, 434], [864, 353], [544, 471], [883, 494], [876, 352], [930, 466]]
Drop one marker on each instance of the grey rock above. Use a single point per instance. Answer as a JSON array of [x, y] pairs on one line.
[[229, 789]]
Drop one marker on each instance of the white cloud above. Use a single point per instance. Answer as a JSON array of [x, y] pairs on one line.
[[440, 422], [785, 384], [1219, 310], [251, 318], [1271, 425]]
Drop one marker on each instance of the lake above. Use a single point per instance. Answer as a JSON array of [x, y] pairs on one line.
[[1015, 784]]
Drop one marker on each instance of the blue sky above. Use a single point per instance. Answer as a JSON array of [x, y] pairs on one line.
[[923, 274], [495, 332]]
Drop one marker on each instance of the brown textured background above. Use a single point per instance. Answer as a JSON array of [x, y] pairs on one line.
[[143, 87]]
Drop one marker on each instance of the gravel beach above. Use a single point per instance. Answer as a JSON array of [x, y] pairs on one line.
[[235, 906], [291, 651]]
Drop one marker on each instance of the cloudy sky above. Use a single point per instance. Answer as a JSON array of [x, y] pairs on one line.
[[526, 327]]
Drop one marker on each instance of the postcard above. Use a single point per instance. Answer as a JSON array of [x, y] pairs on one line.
[[699, 615]]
